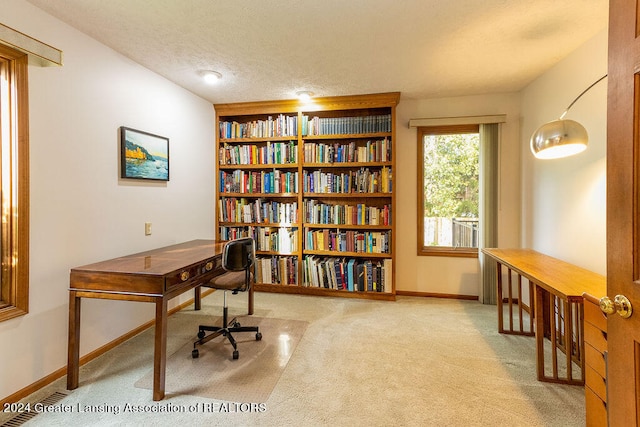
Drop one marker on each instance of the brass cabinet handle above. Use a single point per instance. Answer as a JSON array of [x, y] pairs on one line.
[[184, 276]]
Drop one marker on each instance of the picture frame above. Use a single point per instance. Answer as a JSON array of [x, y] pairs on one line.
[[143, 155]]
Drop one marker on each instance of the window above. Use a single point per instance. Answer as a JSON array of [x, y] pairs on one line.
[[14, 184], [448, 190]]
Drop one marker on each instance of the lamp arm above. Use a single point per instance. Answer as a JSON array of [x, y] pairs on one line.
[[578, 97]]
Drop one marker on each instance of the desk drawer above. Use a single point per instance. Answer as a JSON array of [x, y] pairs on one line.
[[595, 359], [595, 383], [595, 316], [195, 272], [596, 337], [596, 409]]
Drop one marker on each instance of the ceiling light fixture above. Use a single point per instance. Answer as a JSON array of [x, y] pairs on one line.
[[211, 77], [561, 138], [304, 95]]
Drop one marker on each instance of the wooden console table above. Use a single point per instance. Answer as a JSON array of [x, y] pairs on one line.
[[555, 304], [154, 276]]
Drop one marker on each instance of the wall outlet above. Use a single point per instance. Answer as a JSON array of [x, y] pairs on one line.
[[147, 229]]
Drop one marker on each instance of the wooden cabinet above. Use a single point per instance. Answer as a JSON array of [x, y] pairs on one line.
[[595, 340], [313, 183]]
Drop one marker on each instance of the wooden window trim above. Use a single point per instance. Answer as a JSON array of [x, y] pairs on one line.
[[438, 250], [14, 221]]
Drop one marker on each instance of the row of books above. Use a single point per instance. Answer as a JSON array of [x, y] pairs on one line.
[[271, 127], [277, 270], [347, 274], [270, 239], [232, 209], [363, 180], [282, 126], [251, 154], [372, 242], [371, 151], [316, 212], [276, 181], [345, 125]]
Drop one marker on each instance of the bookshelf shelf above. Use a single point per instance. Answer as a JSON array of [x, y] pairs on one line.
[[260, 195], [341, 147], [254, 140], [259, 224], [343, 293], [348, 226], [346, 165], [348, 136], [347, 254], [263, 166], [348, 195]]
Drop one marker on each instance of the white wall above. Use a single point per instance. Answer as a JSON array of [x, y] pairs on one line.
[[446, 275], [81, 212], [564, 200]]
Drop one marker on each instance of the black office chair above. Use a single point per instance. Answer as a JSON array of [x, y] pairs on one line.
[[238, 259]]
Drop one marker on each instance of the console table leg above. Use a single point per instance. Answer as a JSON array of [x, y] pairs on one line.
[[160, 350], [539, 331], [73, 350], [499, 298]]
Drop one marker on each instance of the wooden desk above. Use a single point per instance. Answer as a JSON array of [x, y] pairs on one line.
[[154, 276], [556, 305]]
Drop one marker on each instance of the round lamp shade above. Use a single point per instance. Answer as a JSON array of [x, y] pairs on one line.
[[559, 138]]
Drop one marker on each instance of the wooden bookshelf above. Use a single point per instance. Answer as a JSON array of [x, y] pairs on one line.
[[313, 183]]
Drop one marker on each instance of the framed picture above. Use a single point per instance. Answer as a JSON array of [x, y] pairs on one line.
[[143, 155]]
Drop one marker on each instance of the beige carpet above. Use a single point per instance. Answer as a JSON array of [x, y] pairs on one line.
[[214, 374], [415, 362]]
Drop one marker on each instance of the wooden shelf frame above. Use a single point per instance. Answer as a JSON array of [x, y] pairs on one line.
[[342, 106]]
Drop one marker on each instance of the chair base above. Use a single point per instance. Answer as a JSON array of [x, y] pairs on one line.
[[226, 330]]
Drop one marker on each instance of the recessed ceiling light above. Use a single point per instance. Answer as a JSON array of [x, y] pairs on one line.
[[304, 95], [211, 77]]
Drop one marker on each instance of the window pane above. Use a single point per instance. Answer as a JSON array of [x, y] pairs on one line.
[[450, 190]]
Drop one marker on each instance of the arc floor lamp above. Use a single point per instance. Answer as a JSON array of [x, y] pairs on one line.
[[562, 137]]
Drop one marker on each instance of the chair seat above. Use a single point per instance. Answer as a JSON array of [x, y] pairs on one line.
[[230, 281]]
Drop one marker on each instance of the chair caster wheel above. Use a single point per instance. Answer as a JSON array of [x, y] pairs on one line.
[[236, 324], [201, 334], [258, 336], [235, 354], [195, 353]]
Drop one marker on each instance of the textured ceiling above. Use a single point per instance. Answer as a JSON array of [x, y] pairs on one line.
[[269, 49]]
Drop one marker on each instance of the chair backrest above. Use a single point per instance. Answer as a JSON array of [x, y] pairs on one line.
[[238, 255]]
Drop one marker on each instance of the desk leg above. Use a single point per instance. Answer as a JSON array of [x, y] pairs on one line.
[[160, 350], [73, 350], [197, 296], [250, 302]]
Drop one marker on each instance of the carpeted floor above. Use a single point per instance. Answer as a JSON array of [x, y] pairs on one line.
[[413, 362]]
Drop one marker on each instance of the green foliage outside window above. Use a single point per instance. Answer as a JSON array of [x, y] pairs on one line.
[[451, 175]]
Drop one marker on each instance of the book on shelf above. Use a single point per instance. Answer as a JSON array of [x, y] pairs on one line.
[[316, 212], [267, 239], [267, 182], [373, 242], [277, 270], [347, 274], [369, 151], [345, 125], [363, 180], [234, 209], [252, 154], [271, 127]]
